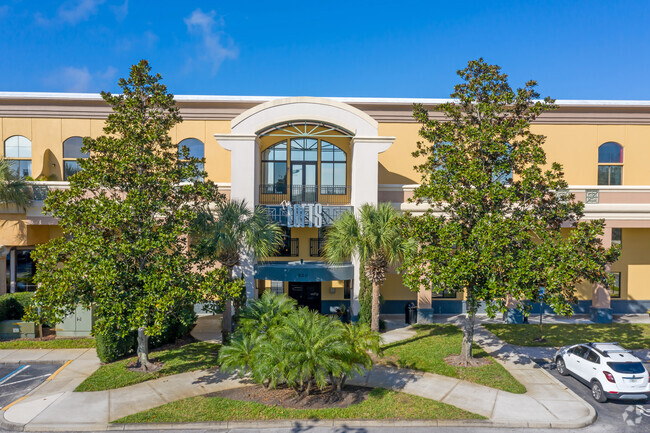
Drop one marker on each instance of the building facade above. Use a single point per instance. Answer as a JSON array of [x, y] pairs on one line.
[[307, 160]]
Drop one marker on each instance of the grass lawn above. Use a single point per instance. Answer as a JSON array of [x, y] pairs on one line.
[[194, 356], [629, 335], [433, 343], [381, 404], [57, 343]]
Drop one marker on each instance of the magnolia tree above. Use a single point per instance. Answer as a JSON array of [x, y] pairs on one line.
[[494, 226], [125, 220]]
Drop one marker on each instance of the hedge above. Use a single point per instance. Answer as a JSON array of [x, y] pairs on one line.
[[12, 305], [111, 347]]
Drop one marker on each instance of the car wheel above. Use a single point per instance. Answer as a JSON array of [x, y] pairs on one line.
[[561, 367], [597, 392]]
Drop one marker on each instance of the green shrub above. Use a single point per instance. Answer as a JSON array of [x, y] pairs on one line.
[[111, 347], [12, 305], [300, 348]]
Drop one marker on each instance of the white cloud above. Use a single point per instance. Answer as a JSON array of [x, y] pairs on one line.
[[71, 12], [121, 11], [213, 51], [147, 41], [71, 79]]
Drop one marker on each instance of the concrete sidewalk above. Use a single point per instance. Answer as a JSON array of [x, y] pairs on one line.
[[546, 404]]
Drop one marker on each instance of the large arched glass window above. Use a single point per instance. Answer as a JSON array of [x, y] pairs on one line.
[[72, 152], [18, 152], [610, 164], [332, 169], [274, 169]]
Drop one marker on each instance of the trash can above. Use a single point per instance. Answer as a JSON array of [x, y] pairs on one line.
[[410, 313]]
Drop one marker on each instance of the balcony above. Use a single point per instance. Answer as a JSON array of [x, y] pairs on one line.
[[289, 249], [323, 194], [316, 247]]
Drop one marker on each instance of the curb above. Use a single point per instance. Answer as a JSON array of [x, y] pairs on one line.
[[35, 362], [8, 425], [306, 423]]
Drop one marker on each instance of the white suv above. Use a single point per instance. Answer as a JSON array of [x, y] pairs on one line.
[[611, 371]]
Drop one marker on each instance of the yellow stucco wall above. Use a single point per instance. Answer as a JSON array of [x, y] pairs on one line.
[[48, 134]]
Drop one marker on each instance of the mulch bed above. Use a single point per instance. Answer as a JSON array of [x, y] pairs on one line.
[[286, 397], [457, 361]]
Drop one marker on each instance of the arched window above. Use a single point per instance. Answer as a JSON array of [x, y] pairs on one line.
[[72, 152], [332, 169], [610, 164], [195, 149], [274, 169], [18, 152]]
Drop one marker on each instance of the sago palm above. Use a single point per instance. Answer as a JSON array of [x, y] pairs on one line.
[[375, 239], [264, 313], [314, 346], [13, 189], [231, 230]]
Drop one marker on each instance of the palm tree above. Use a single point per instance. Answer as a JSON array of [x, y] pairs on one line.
[[374, 237], [232, 230], [13, 189]]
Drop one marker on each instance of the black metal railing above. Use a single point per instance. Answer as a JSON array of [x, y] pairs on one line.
[[323, 194], [289, 249], [316, 247]]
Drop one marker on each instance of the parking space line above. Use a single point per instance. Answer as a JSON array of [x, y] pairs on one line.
[[13, 373], [59, 370], [24, 380]]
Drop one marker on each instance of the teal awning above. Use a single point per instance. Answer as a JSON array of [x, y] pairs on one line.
[[303, 272]]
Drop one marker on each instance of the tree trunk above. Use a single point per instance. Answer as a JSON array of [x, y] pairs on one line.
[[374, 322], [226, 323], [143, 350], [468, 330]]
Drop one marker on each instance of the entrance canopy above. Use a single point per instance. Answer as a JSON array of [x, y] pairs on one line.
[[303, 272]]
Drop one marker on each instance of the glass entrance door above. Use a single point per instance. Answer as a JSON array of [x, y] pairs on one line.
[[306, 294], [303, 182]]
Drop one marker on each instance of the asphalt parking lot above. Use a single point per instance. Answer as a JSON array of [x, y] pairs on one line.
[[16, 380], [625, 416]]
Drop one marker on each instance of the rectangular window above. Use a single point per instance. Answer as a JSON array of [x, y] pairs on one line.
[[277, 287], [21, 167], [617, 236], [443, 294], [610, 174], [274, 177], [615, 290]]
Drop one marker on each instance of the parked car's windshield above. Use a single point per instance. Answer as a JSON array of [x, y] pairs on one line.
[[627, 367]]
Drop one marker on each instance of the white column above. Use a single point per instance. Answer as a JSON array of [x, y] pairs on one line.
[[365, 168], [244, 184], [365, 189]]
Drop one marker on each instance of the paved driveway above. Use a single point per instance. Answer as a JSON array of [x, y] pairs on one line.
[[16, 380]]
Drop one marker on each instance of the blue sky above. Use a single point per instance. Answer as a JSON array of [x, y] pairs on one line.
[[574, 49]]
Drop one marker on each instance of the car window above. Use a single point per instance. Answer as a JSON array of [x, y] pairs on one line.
[[578, 351], [592, 357], [627, 367]]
